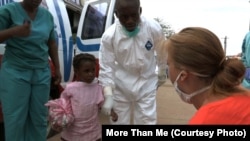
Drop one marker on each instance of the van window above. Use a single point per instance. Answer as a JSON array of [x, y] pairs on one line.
[[94, 22]]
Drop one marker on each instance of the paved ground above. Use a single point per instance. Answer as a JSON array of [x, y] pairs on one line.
[[170, 108]]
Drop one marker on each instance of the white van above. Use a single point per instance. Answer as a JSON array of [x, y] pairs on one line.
[[79, 26]]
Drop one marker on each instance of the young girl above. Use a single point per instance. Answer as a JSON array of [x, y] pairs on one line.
[[86, 98]]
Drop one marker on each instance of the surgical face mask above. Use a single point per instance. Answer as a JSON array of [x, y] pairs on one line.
[[184, 96], [131, 33]]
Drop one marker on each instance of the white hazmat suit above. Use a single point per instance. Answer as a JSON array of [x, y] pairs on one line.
[[128, 66]]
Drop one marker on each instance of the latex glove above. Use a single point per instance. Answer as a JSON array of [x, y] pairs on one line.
[[162, 76], [108, 101]]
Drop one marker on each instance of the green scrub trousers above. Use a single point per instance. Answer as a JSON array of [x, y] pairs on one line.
[[23, 94]]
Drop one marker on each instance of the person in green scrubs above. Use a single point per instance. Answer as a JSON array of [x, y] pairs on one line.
[[28, 31], [245, 57]]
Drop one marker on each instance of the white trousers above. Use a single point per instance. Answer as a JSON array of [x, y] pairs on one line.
[[142, 111]]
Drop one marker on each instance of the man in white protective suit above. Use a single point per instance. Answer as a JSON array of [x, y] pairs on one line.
[[129, 55]]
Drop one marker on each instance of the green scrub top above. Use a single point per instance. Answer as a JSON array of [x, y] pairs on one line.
[[27, 52], [246, 57], [246, 50]]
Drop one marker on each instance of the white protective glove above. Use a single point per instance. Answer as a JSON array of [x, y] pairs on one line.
[[108, 101], [162, 76]]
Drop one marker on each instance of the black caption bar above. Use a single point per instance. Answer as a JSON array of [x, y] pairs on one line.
[[176, 132]]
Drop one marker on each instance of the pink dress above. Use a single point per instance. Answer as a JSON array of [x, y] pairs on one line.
[[86, 100]]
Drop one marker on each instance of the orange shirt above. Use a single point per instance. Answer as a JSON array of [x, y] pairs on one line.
[[232, 110]]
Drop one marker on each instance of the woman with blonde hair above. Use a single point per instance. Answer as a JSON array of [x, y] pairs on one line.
[[204, 77]]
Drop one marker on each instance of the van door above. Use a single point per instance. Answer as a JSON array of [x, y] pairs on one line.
[[64, 35], [96, 17]]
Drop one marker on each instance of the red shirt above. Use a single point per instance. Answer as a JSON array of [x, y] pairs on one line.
[[231, 110]]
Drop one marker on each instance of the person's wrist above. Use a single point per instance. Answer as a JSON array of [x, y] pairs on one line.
[[108, 91]]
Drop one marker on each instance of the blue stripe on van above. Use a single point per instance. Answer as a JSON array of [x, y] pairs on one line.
[[86, 48], [4, 2], [67, 53]]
